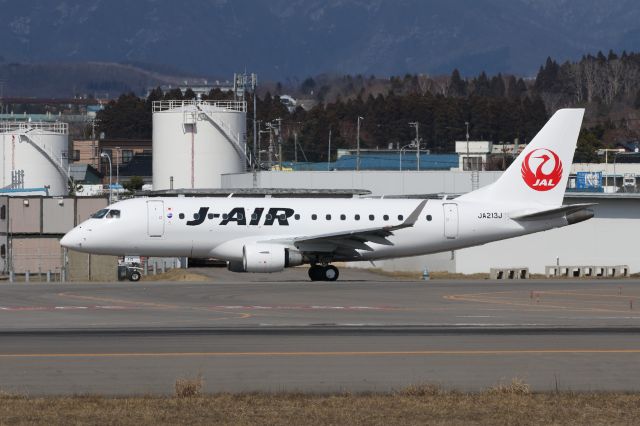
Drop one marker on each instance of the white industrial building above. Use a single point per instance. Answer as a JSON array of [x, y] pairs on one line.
[[34, 158], [607, 239], [195, 142]]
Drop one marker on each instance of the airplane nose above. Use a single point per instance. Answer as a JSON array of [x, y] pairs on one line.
[[72, 239]]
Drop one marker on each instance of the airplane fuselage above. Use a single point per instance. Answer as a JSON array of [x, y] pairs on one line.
[[219, 227]]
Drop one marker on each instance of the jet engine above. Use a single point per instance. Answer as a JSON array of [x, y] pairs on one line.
[[266, 258]]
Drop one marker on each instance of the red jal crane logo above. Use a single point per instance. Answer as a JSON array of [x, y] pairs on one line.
[[539, 180]]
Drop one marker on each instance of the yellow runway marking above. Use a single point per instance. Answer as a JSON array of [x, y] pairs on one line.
[[326, 353]]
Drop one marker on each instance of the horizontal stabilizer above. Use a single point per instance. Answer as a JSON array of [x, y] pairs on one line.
[[550, 213]]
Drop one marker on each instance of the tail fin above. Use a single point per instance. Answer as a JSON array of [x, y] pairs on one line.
[[539, 174]]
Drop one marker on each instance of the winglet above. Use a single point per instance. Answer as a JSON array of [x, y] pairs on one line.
[[411, 219]]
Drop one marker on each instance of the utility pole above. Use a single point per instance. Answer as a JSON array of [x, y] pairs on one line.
[[279, 120], [358, 144], [119, 151], [466, 123], [416, 125], [329, 152], [243, 83], [270, 151], [475, 173], [1, 96], [254, 84], [295, 147]]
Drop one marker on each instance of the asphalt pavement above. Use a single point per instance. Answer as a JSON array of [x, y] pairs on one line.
[[365, 333]]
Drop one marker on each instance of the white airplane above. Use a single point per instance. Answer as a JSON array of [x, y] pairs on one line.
[[270, 234]]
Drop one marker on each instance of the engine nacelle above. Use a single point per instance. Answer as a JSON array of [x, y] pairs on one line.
[[263, 258]]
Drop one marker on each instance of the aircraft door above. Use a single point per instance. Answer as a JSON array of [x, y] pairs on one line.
[[155, 218], [450, 220]]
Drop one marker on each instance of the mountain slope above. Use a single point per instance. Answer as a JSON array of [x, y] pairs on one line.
[[296, 38]]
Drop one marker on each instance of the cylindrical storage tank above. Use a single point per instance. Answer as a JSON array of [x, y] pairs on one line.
[[34, 156], [195, 142]]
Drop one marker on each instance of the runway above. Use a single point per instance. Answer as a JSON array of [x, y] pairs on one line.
[[357, 335]]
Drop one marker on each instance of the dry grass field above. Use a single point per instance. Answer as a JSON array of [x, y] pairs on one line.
[[510, 404]]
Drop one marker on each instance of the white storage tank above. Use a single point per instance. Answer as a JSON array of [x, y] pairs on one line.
[[195, 142], [34, 158]]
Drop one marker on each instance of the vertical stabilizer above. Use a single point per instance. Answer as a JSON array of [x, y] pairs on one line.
[[539, 175]]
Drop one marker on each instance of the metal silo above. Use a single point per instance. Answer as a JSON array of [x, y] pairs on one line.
[[34, 157], [195, 142]]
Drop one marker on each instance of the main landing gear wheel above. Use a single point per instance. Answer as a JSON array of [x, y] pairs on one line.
[[323, 273]]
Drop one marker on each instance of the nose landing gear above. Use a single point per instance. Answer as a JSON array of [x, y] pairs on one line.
[[323, 273]]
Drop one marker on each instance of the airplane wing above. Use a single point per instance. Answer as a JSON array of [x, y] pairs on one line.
[[347, 242]]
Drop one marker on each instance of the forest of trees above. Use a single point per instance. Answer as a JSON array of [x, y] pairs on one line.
[[499, 108]]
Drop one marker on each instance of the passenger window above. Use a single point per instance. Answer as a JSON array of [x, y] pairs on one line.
[[385, 217], [371, 217], [100, 214], [297, 216], [113, 214], [314, 216], [328, 217], [400, 217], [343, 217], [357, 217], [429, 217], [181, 215]]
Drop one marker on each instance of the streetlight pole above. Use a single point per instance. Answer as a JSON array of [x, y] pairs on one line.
[[401, 151], [358, 144], [105, 155], [416, 125]]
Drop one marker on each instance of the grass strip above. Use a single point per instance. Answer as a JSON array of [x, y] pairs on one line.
[[416, 405]]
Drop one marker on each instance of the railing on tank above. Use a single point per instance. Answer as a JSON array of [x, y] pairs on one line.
[[22, 126], [159, 106]]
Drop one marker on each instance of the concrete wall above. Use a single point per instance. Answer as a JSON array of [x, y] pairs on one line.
[[440, 262], [24, 215], [4, 214], [31, 230], [57, 215], [91, 267], [36, 255], [378, 182], [610, 238]]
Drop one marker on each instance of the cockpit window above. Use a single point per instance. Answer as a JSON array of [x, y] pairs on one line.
[[113, 214], [100, 214]]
